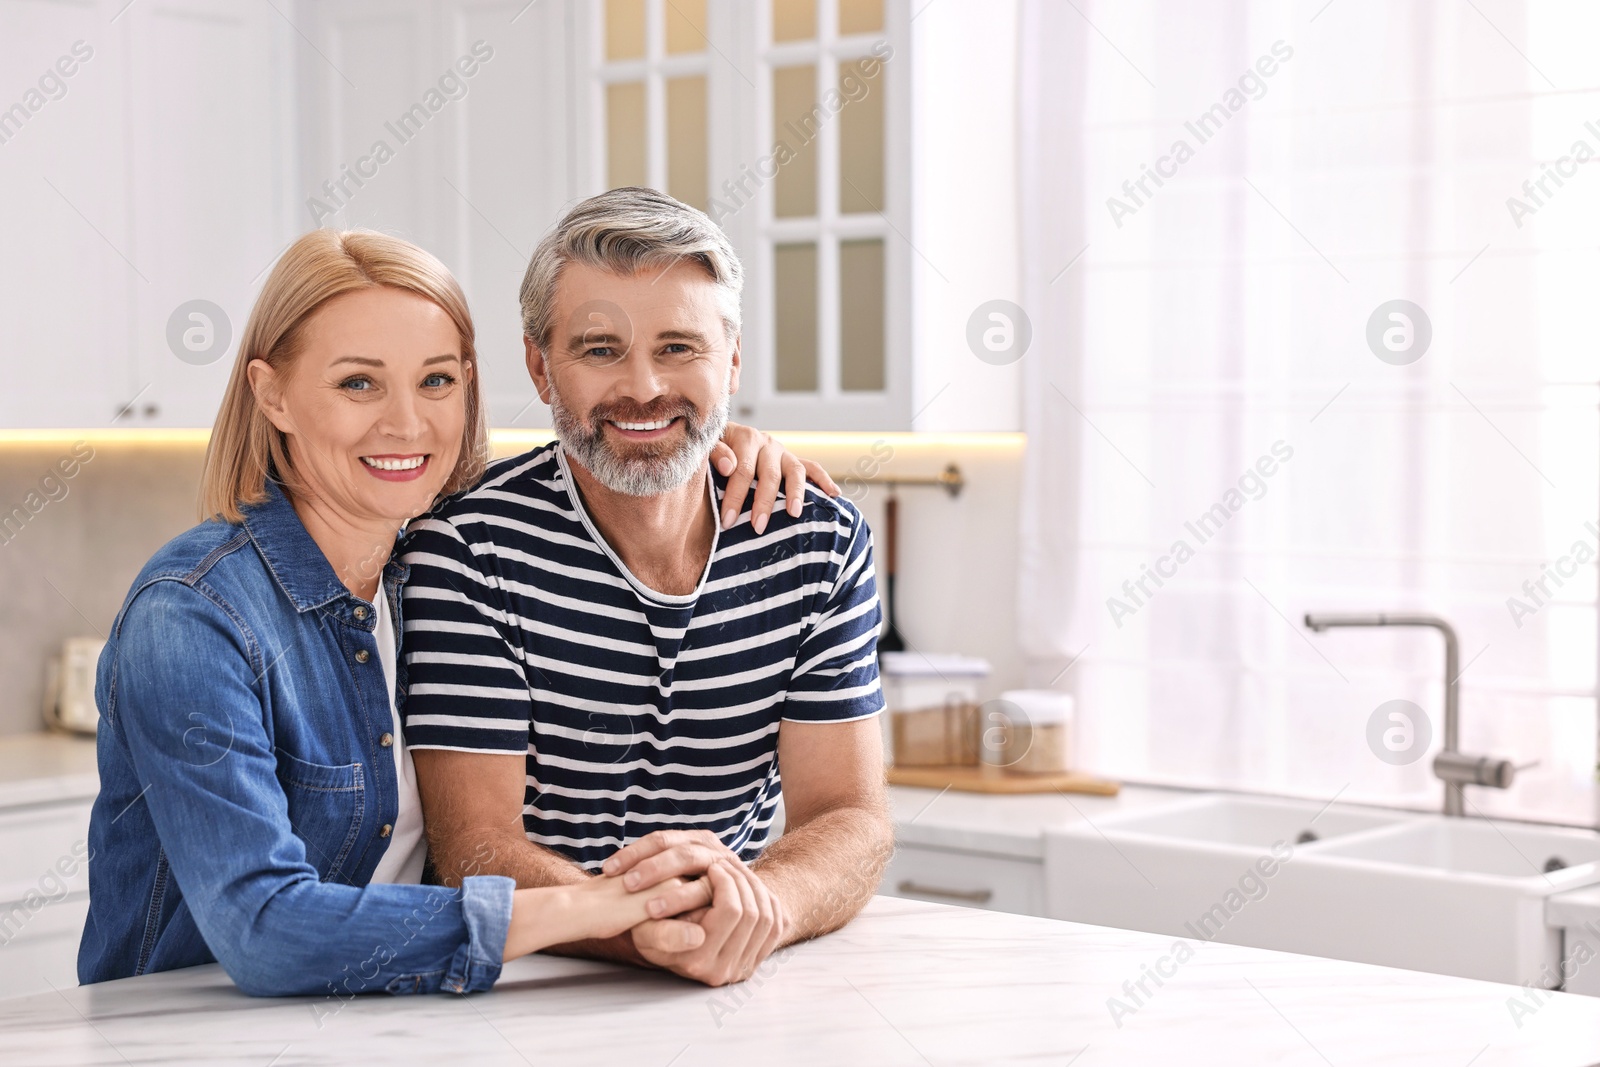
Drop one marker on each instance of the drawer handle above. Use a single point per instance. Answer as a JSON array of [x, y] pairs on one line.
[[971, 896]]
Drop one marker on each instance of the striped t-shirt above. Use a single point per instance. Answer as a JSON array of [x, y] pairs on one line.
[[638, 711]]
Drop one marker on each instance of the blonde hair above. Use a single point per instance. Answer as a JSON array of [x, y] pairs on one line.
[[625, 231], [246, 449]]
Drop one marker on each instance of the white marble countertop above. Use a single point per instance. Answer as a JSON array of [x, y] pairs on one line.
[[1006, 825], [906, 983], [43, 768]]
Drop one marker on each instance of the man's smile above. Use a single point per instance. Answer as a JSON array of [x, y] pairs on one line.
[[643, 431]]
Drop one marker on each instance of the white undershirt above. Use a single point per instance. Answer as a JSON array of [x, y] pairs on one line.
[[403, 861]]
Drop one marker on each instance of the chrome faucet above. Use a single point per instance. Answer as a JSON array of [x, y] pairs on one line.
[[1450, 766]]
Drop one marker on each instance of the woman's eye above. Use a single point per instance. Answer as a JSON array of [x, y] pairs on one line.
[[440, 380], [360, 383]]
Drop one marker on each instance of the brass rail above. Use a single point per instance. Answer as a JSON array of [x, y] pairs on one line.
[[949, 479]]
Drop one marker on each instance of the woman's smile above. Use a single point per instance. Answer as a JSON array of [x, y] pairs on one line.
[[391, 467]]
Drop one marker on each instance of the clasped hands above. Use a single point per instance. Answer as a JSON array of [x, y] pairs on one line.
[[716, 943]]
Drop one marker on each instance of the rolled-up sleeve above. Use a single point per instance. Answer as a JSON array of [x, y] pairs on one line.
[[486, 912], [188, 706]]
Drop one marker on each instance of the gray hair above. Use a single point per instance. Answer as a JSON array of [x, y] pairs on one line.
[[625, 231]]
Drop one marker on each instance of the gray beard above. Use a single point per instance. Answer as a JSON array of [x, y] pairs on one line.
[[642, 474]]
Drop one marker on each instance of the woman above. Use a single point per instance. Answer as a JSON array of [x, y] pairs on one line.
[[257, 805]]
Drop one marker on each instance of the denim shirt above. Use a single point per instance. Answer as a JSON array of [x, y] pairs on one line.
[[246, 793]]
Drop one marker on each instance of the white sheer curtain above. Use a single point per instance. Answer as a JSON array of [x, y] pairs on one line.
[[1338, 157]]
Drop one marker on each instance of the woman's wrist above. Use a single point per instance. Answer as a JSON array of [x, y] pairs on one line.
[[542, 917]]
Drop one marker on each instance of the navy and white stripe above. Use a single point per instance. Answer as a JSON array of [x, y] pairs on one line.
[[638, 711]]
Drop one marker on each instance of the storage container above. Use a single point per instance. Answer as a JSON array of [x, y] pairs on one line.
[[932, 702], [1034, 728]]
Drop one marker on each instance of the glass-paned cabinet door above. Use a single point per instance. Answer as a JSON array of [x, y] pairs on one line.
[[653, 70], [829, 252], [787, 122]]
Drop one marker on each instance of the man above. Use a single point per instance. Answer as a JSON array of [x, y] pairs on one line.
[[597, 661]]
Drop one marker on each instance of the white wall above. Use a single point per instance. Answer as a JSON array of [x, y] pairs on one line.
[[957, 574]]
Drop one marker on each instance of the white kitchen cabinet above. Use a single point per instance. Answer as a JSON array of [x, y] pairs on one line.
[[210, 148], [969, 879], [196, 138], [66, 285], [445, 122], [44, 895], [511, 179], [34, 838], [153, 175], [45, 956], [199, 137]]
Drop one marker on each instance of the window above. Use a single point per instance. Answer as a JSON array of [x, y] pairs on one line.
[[780, 119], [1329, 362]]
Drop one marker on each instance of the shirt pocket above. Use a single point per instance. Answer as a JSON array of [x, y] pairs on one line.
[[326, 806]]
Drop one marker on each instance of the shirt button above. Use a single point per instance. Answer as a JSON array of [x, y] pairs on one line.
[[361, 611], [386, 831], [362, 656], [386, 740]]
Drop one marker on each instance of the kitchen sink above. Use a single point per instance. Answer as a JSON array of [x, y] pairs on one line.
[[1257, 821], [1562, 858], [1455, 896]]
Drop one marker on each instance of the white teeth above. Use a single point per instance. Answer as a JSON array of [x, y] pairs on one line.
[[394, 464], [659, 424]]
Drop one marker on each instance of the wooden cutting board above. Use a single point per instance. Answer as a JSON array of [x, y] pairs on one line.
[[986, 779]]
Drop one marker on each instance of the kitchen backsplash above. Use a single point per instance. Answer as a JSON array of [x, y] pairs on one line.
[[80, 515]]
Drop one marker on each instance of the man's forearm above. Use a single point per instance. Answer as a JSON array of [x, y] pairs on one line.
[[505, 852], [826, 870], [509, 853]]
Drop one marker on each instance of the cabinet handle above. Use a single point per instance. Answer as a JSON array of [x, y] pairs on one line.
[[972, 896]]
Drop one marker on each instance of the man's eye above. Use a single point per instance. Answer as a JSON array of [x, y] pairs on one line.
[[600, 352], [677, 349]]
